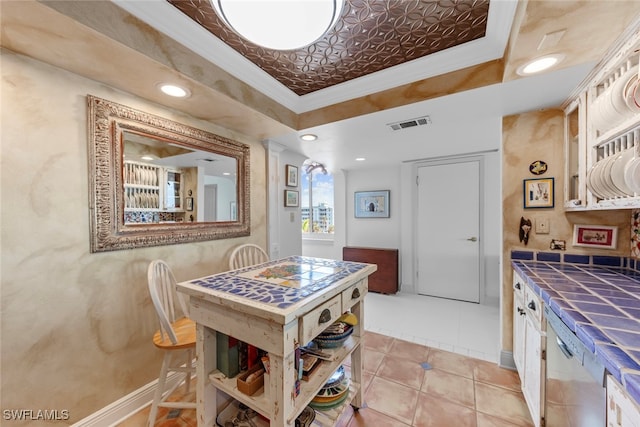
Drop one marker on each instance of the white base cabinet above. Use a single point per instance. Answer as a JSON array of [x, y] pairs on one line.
[[529, 345], [622, 411]]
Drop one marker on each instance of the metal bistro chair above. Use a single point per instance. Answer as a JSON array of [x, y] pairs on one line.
[[246, 255], [176, 336]]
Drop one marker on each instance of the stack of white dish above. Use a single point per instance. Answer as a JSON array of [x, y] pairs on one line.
[[619, 101], [615, 176]]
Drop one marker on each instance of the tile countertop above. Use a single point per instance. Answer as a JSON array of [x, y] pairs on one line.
[[601, 305]]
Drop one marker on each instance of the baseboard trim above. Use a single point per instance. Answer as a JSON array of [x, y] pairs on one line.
[[506, 360], [126, 406]]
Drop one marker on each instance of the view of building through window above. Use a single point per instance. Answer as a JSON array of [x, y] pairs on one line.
[[316, 200]]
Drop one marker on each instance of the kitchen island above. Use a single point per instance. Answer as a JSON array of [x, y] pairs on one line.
[[277, 306], [600, 304]]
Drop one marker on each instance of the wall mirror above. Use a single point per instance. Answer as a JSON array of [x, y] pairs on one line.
[[153, 181]]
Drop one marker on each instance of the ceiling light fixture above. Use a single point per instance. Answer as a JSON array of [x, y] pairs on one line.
[[360, 159], [540, 64], [173, 90], [308, 137], [279, 24]]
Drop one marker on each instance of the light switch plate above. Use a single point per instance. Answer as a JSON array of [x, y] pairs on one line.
[[542, 225]]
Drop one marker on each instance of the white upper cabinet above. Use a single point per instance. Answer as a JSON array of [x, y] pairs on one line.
[[602, 134]]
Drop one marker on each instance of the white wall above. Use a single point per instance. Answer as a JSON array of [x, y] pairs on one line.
[[284, 224], [398, 230], [374, 232], [483, 139]]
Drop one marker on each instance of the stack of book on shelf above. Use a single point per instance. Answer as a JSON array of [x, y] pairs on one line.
[[235, 356]]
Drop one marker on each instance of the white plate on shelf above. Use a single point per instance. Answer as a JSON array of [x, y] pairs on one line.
[[632, 175], [605, 176], [632, 94], [618, 99], [591, 184], [617, 171]]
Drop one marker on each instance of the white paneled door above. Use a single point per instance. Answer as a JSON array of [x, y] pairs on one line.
[[448, 224]]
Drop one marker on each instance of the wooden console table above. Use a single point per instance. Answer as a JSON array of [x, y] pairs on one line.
[[385, 280], [275, 306]]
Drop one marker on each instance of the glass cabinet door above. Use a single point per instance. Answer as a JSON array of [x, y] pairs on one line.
[[574, 150], [173, 190]]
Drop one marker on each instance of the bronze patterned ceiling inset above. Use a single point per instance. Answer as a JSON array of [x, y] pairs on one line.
[[371, 35]]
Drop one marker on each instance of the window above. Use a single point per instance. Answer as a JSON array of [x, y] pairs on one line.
[[317, 199]]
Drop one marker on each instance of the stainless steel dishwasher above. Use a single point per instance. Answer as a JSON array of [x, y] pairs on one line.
[[575, 394]]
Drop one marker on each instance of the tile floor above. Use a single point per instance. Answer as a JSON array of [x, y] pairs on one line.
[[460, 327], [457, 390]]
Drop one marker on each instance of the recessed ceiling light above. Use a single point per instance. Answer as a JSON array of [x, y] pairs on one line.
[[173, 90], [540, 64], [360, 159], [226, 173], [146, 158], [308, 137]]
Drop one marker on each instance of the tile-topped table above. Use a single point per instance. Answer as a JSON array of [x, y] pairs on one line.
[[276, 306], [601, 305]]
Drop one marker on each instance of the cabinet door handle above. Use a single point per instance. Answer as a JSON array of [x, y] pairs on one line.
[[532, 305], [325, 316], [517, 285], [355, 294]]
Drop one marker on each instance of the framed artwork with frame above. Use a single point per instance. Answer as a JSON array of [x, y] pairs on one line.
[[371, 204], [538, 193], [291, 199], [292, 176], [595, 236]]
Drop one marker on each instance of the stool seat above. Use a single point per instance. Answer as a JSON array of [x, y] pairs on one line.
[[185, 330]]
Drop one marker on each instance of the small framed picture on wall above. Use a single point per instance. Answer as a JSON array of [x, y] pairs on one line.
[[291, 199], [292, 176], [538, 193], [371, 204], [595, 236]]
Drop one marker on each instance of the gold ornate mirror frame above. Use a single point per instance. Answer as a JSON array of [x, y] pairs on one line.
[[107, 121]]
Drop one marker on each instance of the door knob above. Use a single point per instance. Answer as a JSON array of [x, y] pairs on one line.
[[472, 239]]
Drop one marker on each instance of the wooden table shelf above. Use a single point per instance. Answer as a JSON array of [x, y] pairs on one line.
[[264, 306]]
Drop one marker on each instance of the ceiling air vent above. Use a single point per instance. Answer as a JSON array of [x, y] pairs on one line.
[[425, 120]]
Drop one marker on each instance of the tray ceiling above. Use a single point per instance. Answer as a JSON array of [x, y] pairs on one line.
[[369, 37]]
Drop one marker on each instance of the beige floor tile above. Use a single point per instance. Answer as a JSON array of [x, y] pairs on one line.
[[367, 377], [502, 403], [408, 350], [377, 342], [368, 417], [491, 373], [451, 387], [433, 411], [372, 360], [451, 362], [403, 371], [392, 399]]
